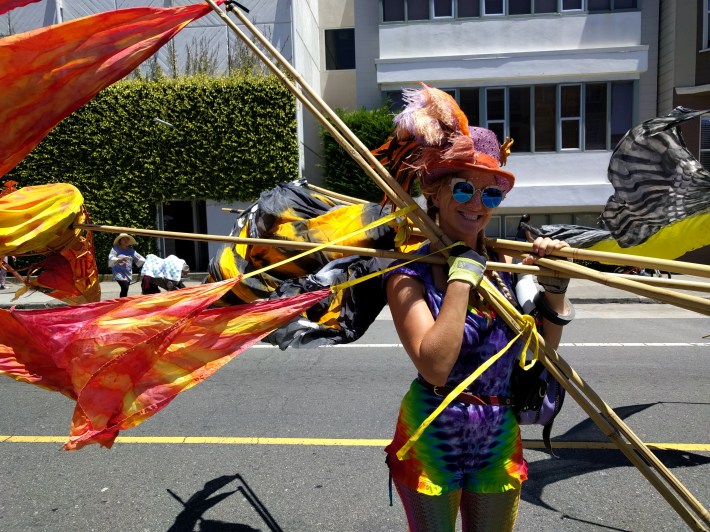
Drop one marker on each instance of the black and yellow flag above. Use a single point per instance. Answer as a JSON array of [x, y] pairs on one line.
[[661, 202]]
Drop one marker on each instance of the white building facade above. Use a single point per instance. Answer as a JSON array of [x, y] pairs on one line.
[[564, 79]]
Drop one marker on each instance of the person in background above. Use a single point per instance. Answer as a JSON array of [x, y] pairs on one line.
[[120, 260], [167, 273], [3, 271], [470, 458]]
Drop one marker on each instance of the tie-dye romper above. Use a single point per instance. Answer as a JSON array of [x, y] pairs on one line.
[[477, 448]]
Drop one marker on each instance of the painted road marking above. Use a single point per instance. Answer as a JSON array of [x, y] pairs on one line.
[[564, 344], [337, 442]]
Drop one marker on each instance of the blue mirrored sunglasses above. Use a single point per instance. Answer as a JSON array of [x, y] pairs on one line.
[[462, 191]]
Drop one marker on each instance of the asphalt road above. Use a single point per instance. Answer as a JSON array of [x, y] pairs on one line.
[[313, 423]]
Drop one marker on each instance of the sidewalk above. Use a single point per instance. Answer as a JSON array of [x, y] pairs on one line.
[[580, 292]]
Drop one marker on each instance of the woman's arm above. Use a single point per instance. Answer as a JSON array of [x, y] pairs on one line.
[[556, 300], [112, 258], [433, 345]]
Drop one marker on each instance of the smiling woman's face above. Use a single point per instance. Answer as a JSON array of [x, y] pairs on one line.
[[463, 221]]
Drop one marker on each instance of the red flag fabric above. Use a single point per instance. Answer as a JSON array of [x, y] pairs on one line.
[[48, 73], [125, 359], [7, 5]]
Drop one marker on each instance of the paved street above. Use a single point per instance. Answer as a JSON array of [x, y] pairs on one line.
[[293, 440]]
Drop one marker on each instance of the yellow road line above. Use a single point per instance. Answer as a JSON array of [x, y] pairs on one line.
[[338, 442]]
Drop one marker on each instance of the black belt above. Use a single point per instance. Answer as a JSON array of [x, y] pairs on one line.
[[467, 397]]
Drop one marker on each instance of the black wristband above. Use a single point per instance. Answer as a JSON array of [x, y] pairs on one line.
[[550, 315]]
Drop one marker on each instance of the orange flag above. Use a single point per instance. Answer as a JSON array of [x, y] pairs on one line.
[[47, 74], [125, 359], [7, 5]]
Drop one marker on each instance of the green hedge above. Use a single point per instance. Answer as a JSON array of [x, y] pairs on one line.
[[233, 138], [340, 172]]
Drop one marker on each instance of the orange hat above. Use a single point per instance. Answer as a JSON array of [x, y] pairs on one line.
[[432, 138]]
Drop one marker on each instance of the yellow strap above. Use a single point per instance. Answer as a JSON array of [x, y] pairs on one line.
[[523, 320], [380, 221], [348, 284]]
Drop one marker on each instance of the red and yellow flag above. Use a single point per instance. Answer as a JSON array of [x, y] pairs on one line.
[[125, 359], [48, 73], [7, 5]]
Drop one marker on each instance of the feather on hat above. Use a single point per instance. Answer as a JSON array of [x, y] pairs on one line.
[[432, 138]]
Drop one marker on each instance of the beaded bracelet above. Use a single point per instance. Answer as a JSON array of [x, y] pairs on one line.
[[550, 315]]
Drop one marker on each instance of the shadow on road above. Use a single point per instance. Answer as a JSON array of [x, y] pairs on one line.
[[206, 498], [576, 462]]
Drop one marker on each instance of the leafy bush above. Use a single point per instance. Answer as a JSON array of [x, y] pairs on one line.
[[232, 138], [341, 173]]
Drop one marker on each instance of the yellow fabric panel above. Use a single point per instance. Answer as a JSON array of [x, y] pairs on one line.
[[38, 219], [671, 242], [330, 317]]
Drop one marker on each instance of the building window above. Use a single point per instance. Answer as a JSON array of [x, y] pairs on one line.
[[495, 111], [470, 105], [392, 10], [468, 8], [545, 118], [706, 39], [519, 109], [622, 104], [418, 10], [519, 7], [493, 7], [571, 5], [340, 49], [570, 116], [550, 118], [545, 6], [443, 8], [595, 113], [705, 141], [598, 5]]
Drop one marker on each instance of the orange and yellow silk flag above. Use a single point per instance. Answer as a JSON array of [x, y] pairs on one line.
[[48, 73], [125, 359], [7, 5]]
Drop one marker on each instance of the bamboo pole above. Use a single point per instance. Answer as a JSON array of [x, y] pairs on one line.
[[679, 284], [374, 252], [570, 269], [437, 236], [624, 259], [616, 430], [342, 134], [336, 195], [291, 244]]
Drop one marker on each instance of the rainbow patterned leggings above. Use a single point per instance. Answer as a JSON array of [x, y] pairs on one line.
[[480, 512]]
